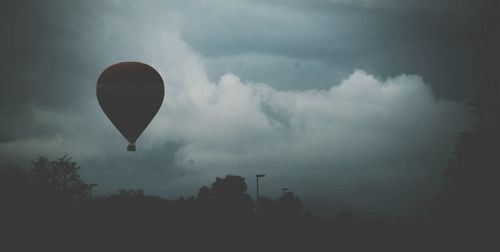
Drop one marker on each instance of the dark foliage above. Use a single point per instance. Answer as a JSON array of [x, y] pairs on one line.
[[467, 209]]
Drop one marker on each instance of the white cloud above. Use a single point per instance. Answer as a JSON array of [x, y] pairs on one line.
[[360, 113]]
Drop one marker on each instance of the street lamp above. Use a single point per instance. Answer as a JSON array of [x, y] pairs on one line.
[[90, 190], [284, 189], [257, 200]]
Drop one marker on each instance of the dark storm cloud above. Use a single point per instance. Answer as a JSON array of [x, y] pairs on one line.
[[439, 40], [43, 47], [43, 58]]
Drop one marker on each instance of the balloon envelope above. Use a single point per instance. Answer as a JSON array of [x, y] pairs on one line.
[[130, 94]]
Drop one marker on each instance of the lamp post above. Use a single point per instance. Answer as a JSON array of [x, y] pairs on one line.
[[257, 199], [283, 191], [90, 190]]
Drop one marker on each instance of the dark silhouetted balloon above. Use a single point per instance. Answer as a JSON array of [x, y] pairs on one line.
[[130, 94]]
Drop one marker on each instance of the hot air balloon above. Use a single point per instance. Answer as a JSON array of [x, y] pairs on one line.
[[130, 94]]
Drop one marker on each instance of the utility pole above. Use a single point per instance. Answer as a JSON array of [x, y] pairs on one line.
[[258, 199], [90, 190], [284, 189]]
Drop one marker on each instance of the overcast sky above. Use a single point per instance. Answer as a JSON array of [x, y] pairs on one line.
[[358, 101]]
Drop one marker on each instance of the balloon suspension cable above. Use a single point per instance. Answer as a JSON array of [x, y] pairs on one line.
[[131, 147]]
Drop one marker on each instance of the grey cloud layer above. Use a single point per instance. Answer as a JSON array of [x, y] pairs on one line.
[[385, 37]]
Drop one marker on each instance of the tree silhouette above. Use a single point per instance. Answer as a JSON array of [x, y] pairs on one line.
[[14, 185], [469, 205], [473, 173], [291, 204], [204, 193], [57, 180], [228, 195], [230, 185]]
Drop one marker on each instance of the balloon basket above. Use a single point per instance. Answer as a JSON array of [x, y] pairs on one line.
[[131, 147]]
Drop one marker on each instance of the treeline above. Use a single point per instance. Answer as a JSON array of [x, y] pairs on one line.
[[50, 203]]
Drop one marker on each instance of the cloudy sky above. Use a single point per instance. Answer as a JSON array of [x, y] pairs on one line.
[[357, 101]]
